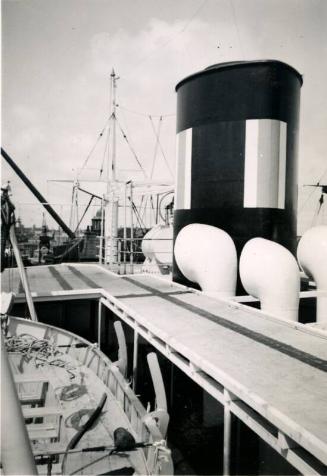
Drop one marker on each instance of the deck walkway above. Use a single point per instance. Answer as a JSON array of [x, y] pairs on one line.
[[271, 374]]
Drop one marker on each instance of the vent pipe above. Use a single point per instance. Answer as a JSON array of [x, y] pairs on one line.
[[312, 256], [270, 273], [206, 255]]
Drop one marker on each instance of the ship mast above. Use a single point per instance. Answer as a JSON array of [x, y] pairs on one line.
[[111, 170], [111, 207]]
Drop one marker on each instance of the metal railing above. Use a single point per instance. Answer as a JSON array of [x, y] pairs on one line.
[[129, 253]]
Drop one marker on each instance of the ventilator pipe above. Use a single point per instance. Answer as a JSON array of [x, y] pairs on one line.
[[206, 255], [270, 273], [312, 256]]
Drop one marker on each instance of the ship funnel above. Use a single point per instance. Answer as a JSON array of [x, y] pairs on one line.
[[236, 152], [206, 255], [270, 273], [312, 256]]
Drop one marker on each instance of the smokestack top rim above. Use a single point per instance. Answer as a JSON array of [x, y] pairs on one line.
[[237, 64]]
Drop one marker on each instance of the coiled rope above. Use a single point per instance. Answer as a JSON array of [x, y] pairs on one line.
[[43, 351]]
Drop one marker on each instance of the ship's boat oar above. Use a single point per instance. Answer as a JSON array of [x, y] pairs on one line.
[[87, 425]]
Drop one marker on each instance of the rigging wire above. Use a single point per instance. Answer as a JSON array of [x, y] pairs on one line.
[[185, 27], [324, 173], [237, 28], [316, 213], [307, 200], [74, 206], [171, 37], [126, 128], [106, 148], [146, 114], [85, 211], [160, 146], [148, 213], [94, 146], [313, 191], [156, 146], [131, 148], [144, 198], [71, 209], [137, 214]]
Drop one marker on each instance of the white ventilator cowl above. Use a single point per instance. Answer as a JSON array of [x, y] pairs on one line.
[[206, 255], [270, 273], [312, 256]]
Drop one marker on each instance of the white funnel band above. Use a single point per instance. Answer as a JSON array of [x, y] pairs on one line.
[[206, 255], [270, 273], [312, 256]]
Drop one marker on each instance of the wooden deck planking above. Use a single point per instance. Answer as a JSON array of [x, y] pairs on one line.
[[287, 390], [267, 372]]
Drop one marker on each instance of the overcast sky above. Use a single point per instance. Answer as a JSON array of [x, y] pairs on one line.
[[57, 56]]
